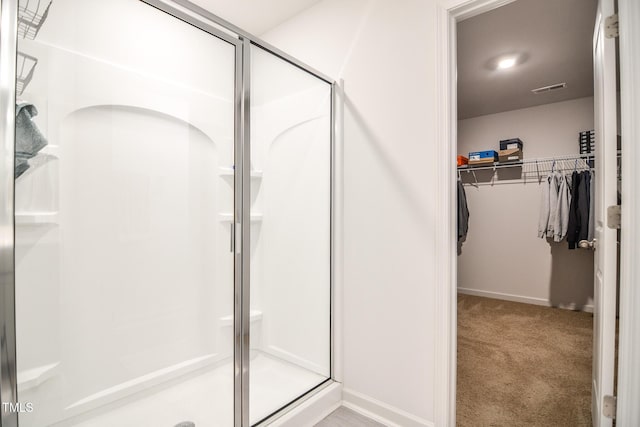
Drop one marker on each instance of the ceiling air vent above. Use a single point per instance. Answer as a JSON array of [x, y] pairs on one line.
[[549, 88]]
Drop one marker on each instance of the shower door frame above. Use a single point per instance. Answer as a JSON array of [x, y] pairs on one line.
[[206, 21], [8, 52]]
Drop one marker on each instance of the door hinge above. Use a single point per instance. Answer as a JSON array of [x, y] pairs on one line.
[[614, 216], [611, 26], [609, 407]]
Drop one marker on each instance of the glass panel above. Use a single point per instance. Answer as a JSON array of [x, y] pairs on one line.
[[123, 207], [290, 233]]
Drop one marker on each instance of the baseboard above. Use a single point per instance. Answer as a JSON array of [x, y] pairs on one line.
[[313, 410], [524, 299], [381, 412]]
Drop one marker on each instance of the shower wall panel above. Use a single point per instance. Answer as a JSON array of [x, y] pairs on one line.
[[124, 274]]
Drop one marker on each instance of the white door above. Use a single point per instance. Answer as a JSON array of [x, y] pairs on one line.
[[605, 195]]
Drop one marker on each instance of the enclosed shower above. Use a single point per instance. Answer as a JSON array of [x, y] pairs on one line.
[[172, 186]]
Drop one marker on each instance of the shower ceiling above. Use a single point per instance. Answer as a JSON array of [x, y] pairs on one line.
[[552, 38], [256, 16]]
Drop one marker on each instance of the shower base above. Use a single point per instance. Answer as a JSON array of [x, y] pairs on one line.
[[207, 398]]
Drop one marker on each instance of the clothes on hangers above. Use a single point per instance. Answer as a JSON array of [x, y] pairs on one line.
[[463, 213], [584, 205], [554, 189], [564, 207], [592, 203], [547, 220], [573, 211], [543, 218], [579, 209], [561, 223]]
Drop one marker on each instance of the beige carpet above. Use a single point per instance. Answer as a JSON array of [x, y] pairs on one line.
[[522, 365]]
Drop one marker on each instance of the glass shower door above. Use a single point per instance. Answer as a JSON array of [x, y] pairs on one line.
[[290, 233], [124, 204]]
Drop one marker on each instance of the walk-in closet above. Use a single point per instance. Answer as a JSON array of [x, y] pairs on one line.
[[526, 224]]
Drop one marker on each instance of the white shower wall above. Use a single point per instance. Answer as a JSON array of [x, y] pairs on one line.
[[292, 242], [123, 269]]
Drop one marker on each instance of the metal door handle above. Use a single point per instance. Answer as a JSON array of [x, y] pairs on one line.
[[588, 244]]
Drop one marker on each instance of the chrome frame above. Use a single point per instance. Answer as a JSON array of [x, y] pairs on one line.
[[8, 52], [332, 229], [238, 400], [184, 13], [245, 161], [294, 403], [253, 39], [242, 41], [332, 240]]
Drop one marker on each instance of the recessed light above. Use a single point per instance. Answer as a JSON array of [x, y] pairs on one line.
[[506, 60], [505, 63]]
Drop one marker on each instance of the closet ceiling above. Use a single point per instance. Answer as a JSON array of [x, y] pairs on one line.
[[553, 36], [256, 16]]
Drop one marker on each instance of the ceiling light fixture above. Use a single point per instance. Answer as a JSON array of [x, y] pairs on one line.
[[505, 63]]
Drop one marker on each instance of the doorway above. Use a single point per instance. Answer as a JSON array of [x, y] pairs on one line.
[[458, 11], [525, 92]]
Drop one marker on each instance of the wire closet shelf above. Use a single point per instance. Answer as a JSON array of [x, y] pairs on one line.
[[533, 168]]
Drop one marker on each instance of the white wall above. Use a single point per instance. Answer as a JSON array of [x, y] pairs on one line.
[[502, 256], [385, 51], [358, 40]]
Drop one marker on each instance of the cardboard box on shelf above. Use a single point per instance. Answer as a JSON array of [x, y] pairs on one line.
[[487, 161], [483, 157], [507, 156], [510, 144]]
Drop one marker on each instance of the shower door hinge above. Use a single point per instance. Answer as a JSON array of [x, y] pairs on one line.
[[609, 407], [614, 216], [611, 26]]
